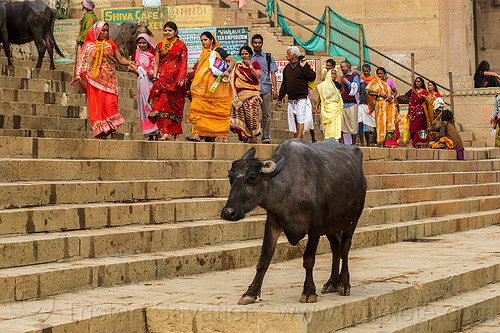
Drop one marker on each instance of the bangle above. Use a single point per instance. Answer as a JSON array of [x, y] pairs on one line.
[[251, 68]]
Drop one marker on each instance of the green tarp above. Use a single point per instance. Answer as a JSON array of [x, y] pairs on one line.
[[316, 43]]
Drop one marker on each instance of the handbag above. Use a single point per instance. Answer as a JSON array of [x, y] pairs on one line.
[[216, 64]]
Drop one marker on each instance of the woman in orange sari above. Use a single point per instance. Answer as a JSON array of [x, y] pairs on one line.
[[380, 97], [96, 73], [211, 96], [168, 93], [246, 105]]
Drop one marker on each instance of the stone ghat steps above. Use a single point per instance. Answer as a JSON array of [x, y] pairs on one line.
[[37, 281], [41, 248], [51, 148], [27, 169], [389, 187], [386, 279]]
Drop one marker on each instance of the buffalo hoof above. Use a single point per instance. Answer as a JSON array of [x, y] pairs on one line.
[[328, 288], [304, 298], [344, 290], [245, 300]]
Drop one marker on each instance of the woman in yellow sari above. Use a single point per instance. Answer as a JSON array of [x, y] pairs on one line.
[[331, 106], [429, 107], [211, 101], [380, 97]]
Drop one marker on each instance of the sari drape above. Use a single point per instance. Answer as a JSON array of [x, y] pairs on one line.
[[429, 108], [331, 108], [209, 112], [245, 109], [102, 95], [167, 97], [386, 113], [146, 60], [416, 114]]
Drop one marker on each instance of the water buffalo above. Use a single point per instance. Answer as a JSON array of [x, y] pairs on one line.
[[32, 21], [124, 35], [307, 189]]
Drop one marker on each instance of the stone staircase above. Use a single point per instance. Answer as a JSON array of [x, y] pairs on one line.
[[125, 236], [81, 217]]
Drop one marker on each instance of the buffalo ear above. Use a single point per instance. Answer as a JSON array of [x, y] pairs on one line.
[[272, 168], [249, 154]]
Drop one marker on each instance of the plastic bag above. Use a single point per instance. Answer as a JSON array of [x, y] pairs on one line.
[[406, 134], [216, 64]]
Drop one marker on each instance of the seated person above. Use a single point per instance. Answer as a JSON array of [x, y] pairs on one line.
[[448, 137], [484, 78]]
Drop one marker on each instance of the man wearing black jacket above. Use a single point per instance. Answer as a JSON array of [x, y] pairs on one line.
[[296, 76]]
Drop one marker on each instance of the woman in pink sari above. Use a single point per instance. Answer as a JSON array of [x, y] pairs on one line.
[[418, 121], [144, 56], [96, 73]]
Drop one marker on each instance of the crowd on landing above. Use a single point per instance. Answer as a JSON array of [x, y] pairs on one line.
[[228, 95]]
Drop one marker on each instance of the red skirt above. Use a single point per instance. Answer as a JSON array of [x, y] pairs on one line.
[[167, 108], [103, 111]]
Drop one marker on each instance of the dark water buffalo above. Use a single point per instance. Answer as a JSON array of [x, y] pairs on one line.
[[32, 21], [124, 35], [307, 189], [4, 37]]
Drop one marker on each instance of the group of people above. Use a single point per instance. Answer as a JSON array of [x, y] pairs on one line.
[[228, 96], [225, 95]]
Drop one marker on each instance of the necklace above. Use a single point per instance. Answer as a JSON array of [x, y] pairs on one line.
[[98, 57], [167, 46]]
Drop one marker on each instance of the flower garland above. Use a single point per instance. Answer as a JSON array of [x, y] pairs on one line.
[[98, 58], [167, 46]]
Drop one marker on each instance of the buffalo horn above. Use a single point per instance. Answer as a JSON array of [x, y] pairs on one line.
[[268, 167]]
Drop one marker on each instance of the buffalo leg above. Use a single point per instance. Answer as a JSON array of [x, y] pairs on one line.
[[6, 46], [344, 288], [331, 285], [50, 50], [40, 46], [271, 235], [309, 292]]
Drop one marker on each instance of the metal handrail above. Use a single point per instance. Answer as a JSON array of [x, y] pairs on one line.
[[352, 38], [340, 46]]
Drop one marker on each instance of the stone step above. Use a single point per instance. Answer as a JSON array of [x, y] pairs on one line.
[[387, 187], [488, 326], [386, 279], [98, 215], [28, 169], [21, 95], [66, 246], [61, 74], [36, 281], [128, 149], [447, 315]]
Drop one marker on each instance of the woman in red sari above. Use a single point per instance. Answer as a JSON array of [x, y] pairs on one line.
[[96, 73], [418, 121], [168, 93]]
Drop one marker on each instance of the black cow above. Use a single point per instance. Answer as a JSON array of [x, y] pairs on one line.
[[125, 34], [32, 21], [307, 189]]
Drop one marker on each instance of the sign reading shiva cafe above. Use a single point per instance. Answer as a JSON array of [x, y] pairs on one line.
[[230, 38]]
